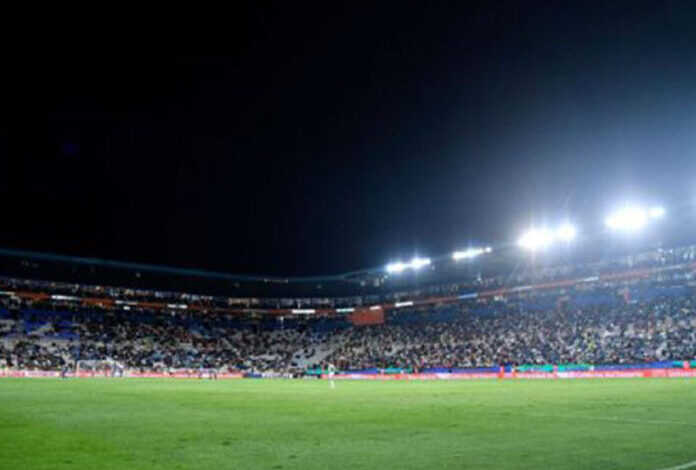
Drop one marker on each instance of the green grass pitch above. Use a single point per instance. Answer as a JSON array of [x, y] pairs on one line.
[[279, 424]]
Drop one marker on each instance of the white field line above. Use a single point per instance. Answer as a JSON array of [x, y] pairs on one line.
[[630, 421], [682, 467]]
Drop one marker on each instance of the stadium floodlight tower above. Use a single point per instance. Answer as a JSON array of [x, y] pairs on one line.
[[470, 253], [657, 212], [535, 239], [396, 268], [415, 264], [633, 218]]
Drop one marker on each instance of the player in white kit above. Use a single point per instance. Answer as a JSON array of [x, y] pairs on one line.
[[330, 371]]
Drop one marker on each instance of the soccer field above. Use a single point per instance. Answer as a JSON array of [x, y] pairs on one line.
[[277, 424]]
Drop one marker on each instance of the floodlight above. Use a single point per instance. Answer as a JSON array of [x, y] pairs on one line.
[[629, 219], [565, 233], [470, 253], [657, 212], [417, 263], [394, 268], [536, 238]]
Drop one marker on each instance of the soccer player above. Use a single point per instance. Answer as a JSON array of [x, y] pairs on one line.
[[117, 370], [65, 371], [330, 371]]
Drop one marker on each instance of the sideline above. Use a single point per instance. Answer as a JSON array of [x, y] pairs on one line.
[[682, 467]]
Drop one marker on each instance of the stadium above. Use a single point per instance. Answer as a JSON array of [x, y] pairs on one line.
[[443, 236], [414, 359]]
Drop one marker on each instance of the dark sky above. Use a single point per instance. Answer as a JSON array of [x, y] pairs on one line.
[[320, 138]]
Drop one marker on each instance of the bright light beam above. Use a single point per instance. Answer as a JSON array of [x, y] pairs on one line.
[[657, 212], [566, 233], [629, 219], [395, 268], [535, 239], [417, 263], [470, 253]]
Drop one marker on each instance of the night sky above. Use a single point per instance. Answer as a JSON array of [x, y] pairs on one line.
[[310, 139]]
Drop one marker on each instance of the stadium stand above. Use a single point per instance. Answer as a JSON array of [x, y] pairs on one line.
[[632, 311]]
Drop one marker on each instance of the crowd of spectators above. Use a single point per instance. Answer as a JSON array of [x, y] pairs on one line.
[[533, 327], [155, 342], [663, 329], [630, 333]]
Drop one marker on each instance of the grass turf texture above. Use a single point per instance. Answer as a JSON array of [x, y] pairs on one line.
[[278, 424]]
